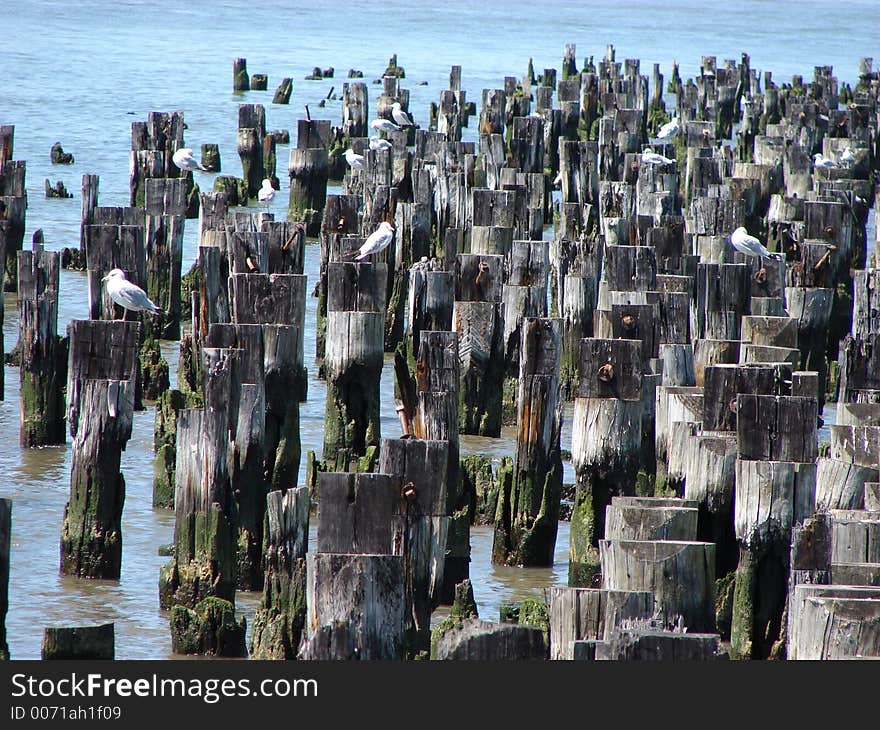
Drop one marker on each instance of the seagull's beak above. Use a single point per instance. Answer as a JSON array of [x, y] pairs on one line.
[[105, 277]]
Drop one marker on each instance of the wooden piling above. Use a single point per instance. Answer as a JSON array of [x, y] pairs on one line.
[[308, 169], [528, 514], [100, 390], [5, 545], [43, 354], [606, 443], [279, 622], [80, 642]]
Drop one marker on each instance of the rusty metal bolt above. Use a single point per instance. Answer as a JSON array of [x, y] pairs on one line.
[[761, 275], [732, 405], [340, 224], [634, 165], [606, 373], [829, 231], [408, 492], [628, 321]]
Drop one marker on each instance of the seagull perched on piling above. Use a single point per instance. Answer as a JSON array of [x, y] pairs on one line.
[[128, 295], [669, 131], [652, 158], [383, 125], [377, 241], [751, 246], [354, 160], [819, 160], [847, 157], [184, 159], [399, 116], [377, 143], [266, 193]]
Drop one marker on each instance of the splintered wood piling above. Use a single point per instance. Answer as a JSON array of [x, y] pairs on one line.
[[13, 206], [251, 133], [528, 510], [43, 354], [153, 143], [203, 563], [606, 443], [100, 392], [5, 544], [353, 359], [478, 322], [165, 203], [355, 596], [309, 170], [420, 524], [279, 622]]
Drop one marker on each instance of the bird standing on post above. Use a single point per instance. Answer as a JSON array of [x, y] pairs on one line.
[[266, 193], [128, 295], [653, 158], [751, 246], [354, 160], [377, 144], [819, 160], [184, 159], [377, 241], [399, 116], [669, 131], [383, 125]]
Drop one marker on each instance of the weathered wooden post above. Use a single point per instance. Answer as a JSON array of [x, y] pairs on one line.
[[420, 524], [340, 219], [165, 203], [775, 490], [279, 622], [251, 132], [153, 144], [43, 356], [309, 169], [79, 642], [354, 585], [477, 320], [528, 512], [240, 79], [5, 544], [353, 359], [606, 443], [100, 392], [355, 109], [13, 206], [205, 521]]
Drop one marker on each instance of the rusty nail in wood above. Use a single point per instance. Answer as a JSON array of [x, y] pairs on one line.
[[606, 373], [732, 405], [829, 231], [761, 275], [628, 321], [408, 492]]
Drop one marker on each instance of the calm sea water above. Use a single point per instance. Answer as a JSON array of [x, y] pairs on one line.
[[80, 73]]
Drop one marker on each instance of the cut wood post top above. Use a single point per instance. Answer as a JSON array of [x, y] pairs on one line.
[[422, 467], [479, 278], [610, 369], [355, 511], [356, 286]]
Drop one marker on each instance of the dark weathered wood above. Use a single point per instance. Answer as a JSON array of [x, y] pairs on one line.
[[420, 522], [279, 622], [43, 354], [309, 169], [776, 428], [842, 484], [81, 642], [356, 607], [528, 512], [479, 327]]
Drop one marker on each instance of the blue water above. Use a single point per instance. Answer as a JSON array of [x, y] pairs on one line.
[[82, 72]]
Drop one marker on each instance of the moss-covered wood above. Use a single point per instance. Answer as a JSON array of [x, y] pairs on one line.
[[79, 642], [169, 403], [210, 629], [43, 354], [280, 619]]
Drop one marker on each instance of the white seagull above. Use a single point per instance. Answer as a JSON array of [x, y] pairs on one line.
[[184, 159], [377, 241], [750, 246], [354, 160], [669, 130], [847, 157], [652, 158], [266, 193], [127, 295], [377, 143], [821, 161], [400, 116], [383, 125]]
